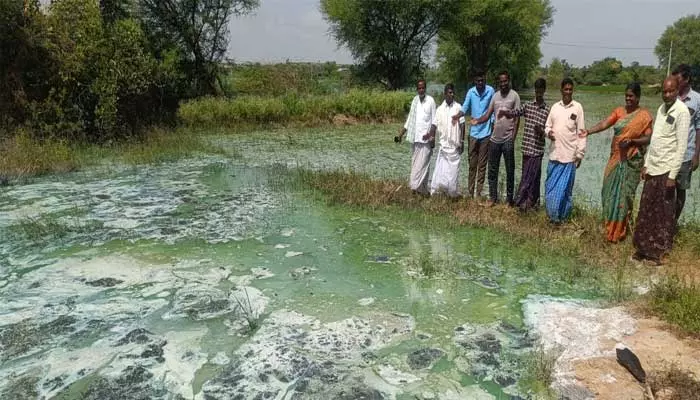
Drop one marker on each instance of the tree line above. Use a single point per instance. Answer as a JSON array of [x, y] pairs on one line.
[[390, 40], [100, 70]]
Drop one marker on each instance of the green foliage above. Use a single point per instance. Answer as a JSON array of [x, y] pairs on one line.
[[87, 70], [685, 35], [197, 30], [388, 38], [364, 105], [279, 79], [70, 74], [491, 35], [608, 71], [678, 302]]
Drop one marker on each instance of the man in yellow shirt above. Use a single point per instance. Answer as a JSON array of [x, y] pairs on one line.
[[656, 222]]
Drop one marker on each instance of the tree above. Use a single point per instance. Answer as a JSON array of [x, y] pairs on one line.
[[604, 71], [685, 35], [490, 35], [24, 60], [198, 29], [389, 38], [555, 73], [114, 10]]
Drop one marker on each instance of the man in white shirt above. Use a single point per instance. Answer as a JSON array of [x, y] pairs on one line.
[[417, 125], [451, 139], [656, 219]]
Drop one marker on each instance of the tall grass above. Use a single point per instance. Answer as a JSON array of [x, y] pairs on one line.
[[677, 301], [22, 156], [539, 373], [211, 112]]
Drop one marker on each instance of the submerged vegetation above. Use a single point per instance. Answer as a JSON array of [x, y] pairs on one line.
[[677, 300], [538, 374]]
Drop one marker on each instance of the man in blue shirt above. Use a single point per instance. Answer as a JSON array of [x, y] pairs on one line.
[[476, 103]]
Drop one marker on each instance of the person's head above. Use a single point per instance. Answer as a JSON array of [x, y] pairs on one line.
[[682, 73], [449, 93], [670, 90], [504, 81], [540, 88], [420, 88], [567, 90], [633, 92], [480, 80]]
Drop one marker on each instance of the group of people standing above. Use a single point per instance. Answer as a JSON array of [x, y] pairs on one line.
[[663, 152]]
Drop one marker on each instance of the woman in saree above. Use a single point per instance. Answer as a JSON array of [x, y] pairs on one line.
[[632, 132]]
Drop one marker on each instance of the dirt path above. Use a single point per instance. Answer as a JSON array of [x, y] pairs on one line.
[[657, 349]]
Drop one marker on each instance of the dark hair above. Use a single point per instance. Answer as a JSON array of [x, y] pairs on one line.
[[504, 72], [480, 73], [682, 70], [541, 83], [635, 88], [421, 80], [449, 86], [567, 81]]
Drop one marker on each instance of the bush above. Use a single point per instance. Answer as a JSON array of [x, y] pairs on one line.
[[66, 73], [361, 105]]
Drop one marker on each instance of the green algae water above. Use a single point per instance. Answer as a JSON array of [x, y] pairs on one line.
[[211, 278]]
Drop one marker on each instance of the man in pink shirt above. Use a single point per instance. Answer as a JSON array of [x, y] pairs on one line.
[[566, 150]]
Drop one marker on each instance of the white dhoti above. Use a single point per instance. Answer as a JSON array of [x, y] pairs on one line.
[[420, 167], [446, 173]]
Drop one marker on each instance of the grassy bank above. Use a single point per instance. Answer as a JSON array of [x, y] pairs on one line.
[[675, 298], [22, 156], [357, 105]]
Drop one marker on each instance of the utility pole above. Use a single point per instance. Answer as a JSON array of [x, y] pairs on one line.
[[670, 54]]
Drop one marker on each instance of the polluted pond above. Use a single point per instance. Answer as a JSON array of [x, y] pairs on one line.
[[210, 279]]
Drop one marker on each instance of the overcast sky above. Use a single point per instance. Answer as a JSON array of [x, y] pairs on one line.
[[295, 30]]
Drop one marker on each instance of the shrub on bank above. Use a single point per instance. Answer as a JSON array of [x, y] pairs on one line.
[[358, 104]]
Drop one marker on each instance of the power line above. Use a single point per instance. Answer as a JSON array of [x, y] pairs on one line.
[[593, 46]]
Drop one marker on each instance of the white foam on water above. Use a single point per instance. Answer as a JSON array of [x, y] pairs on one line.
[[366, 301], [395, 377], [262, 272], [220, 359], [143, 204], [292, 344], [183, 358]]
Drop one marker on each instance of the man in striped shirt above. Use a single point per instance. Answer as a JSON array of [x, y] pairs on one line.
[[535, 114]]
